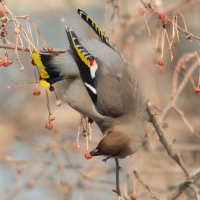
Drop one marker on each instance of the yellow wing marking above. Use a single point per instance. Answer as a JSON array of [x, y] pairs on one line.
[[44, 83], [83, 58], [97, 26]]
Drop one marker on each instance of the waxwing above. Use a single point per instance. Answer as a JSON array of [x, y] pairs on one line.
[[101, 85]]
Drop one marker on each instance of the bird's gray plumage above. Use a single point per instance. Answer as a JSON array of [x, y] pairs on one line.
[[120, 106]]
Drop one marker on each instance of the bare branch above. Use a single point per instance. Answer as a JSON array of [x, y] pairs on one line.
[[20, 48], [152, 195], [149, 6], [166, 145], [172, 104], [183, 186]]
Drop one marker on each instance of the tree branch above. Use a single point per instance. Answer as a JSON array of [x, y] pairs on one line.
[[20, 48], [183, 186], [152, 195], [166, 145], [153, 8]]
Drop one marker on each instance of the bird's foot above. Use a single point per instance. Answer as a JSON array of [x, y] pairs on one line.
[[106, 158]]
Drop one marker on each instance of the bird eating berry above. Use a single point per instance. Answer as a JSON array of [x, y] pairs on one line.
[[88, 155]]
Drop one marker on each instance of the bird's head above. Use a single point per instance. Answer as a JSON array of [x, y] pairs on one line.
[[115, 144]]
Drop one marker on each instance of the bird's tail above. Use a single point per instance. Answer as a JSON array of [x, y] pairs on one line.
[[49, 72]]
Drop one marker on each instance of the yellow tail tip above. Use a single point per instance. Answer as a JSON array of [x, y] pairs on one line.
[[45, 84]]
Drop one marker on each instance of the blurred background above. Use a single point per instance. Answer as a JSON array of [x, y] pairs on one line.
[[36, 163]]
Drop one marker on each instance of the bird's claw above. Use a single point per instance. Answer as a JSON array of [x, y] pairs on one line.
[[106, 158]]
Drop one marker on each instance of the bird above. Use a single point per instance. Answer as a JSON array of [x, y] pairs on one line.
[[100, 84]]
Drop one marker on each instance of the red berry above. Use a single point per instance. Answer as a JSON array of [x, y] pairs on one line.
[[165, 21], [49, 125], [161, 62], [1, 13], [197, 90], [50, 49], [133, 197], [36, 92], [88, 155], [1, 62], [161, 15], [51, 117], [9, 61], [5, 62]]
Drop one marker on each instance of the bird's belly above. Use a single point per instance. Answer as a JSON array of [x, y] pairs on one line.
[[77, 97]]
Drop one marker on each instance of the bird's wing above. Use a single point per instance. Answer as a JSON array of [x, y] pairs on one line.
[[102, 35], [86, 63], [100, 70], [52, 68], [94, 26], [113, 82]]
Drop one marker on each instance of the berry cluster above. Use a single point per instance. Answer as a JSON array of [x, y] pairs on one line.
[[163, 18], [51, 117], [5, 62], [49, 125]]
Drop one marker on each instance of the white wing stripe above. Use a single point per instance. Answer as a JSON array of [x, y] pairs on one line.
[[91, 88]]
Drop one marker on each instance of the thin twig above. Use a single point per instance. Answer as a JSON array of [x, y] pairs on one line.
[[20, 48], [183, 186], [182, 115], [117, 177], [179, 90], [166, 145], [154, 9], [152, 195]]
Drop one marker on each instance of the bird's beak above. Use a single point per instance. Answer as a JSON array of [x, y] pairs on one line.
[[95, 152]]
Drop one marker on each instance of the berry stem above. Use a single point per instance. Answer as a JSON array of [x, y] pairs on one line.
[[47, 99], [78, 136]]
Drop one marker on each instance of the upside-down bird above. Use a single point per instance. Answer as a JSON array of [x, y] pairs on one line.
[[101, 85]]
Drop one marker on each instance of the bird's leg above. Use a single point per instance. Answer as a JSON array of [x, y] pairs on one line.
[[117, 190], [106, 158]]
